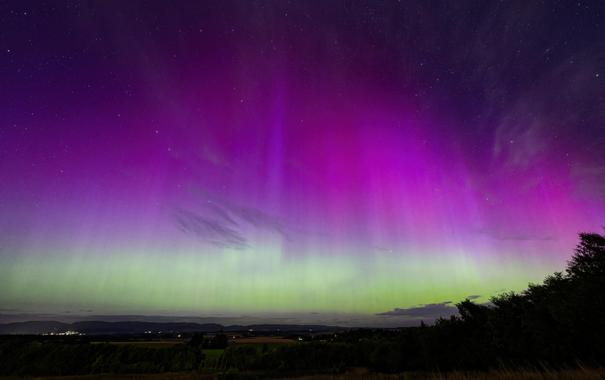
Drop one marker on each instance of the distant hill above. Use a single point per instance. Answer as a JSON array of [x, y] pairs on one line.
[[134, 327]]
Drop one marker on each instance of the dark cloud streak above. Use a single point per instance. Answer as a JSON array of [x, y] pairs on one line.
[[222, 223], [212, 230], [429, 311]]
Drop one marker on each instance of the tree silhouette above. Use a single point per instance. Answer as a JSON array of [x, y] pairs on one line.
[[589, 257]]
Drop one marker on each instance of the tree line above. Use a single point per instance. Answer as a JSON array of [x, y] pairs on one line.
[[559, 323]]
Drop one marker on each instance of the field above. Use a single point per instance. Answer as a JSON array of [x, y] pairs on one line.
[[212, 358], [263, 340], [147, 343]]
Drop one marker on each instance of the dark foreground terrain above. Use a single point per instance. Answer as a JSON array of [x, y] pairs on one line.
[[553, 330], [578, 374]]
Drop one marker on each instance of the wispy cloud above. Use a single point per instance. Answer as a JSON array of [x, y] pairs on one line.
[[497, 234], [224, 224], [215, 231], [255, 217]]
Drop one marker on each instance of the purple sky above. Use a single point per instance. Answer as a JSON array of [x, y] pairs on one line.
[[303, 150]]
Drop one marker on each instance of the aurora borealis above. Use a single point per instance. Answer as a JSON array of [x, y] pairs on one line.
[[294, 158]]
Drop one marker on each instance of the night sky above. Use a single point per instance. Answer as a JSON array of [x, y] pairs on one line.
[[336, 161]]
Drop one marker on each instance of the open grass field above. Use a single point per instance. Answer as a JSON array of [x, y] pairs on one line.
[[213, 353], [147, 343], [212, 358], [262, 340]]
